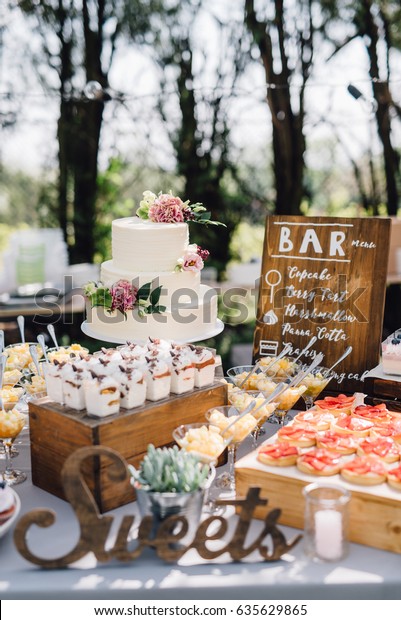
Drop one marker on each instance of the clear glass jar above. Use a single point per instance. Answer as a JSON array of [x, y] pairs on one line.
[[326, 521]]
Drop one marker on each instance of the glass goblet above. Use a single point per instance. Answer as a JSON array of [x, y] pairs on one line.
[[241, 400], [11, 424], [208, 444], [282, 369], [241, 377], [223, 418], [315, 383], [285, 401]]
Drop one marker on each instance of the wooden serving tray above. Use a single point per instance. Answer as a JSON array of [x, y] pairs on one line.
[[375, 512], [57, 431]]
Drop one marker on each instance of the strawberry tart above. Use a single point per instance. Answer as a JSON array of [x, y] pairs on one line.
[[342, 444], [378, 414], [320, 420], [364, 470], [319, 462], [394, 478], [336, 404], [383, 448], [278, 454], [300, 435], [348, 425]]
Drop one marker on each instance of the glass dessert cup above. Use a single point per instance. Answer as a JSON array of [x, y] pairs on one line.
[[11, 424], [222, 418], [315, 383], [63, 354], [239, 373], [282, 369], [242, 399], [208, 444], [285, 401], [19, 357]]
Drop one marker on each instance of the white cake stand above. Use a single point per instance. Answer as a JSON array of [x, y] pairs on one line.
[[213, 331]]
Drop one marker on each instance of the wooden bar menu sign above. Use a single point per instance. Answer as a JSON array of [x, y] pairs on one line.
[[324, 277]]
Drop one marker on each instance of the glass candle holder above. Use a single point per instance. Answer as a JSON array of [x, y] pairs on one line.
[[326, 522]]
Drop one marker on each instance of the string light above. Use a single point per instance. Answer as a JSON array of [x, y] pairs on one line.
[[93, 91]]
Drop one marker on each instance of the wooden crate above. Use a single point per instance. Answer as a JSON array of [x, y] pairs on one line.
[[375, 512], [57, 431]]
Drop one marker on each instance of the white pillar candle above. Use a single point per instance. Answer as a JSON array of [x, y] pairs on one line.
[[328, 534]]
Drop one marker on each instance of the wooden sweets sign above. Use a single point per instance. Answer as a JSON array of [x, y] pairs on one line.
[[95, 528], [324, 277]]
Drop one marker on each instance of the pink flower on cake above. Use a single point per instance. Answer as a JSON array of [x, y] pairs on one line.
[[204, 254], [192, 262], [123, 296], [166, 209]]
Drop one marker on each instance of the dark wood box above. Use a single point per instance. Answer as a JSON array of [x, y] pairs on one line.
[[384, 389], [57, 431]]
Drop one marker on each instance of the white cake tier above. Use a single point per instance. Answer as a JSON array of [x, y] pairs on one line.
[[174, 283], [190, 321], [139, 245]]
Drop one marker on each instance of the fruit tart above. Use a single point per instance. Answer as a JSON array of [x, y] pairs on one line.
[[378, 414], [394, 478], [299, 435], [319, 462], [364, 470], [349, 425], [383, 448], [342, 444], [336, 404], [278, 454], [393, 430], [320, 420]]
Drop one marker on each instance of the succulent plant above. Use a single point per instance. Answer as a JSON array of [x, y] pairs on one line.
[[169, 470]]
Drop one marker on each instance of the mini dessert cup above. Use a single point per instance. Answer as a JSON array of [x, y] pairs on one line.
[[315, 383], [182, 374], [54, 381], [132, 386], [283, 368], [241, 399], [222, 418], [158, 380], [206, 442], [240, 378], [204, 363], [11, 424], [19, 357], [102, 396], [285, 401]]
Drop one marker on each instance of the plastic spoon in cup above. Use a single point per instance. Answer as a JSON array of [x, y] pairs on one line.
[[50, 329], [256, 367], [301, 376], [280, 389], [21, 325], [41, 340], [34, 356], [247, 410], [340, 359]]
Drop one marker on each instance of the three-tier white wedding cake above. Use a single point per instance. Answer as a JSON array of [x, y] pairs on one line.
[[151, 287]]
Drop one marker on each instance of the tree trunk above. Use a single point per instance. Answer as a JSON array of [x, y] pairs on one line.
[[383, 98], [86, 140], [288, 138]]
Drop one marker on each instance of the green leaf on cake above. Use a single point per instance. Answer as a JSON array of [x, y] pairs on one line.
[[144, 291], [157, 309], [155, 296], [102, 297]]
